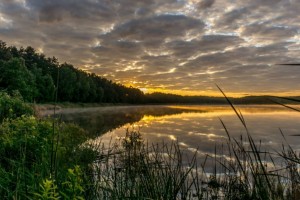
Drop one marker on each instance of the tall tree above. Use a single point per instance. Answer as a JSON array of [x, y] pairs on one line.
[[45, 86], [15, 76], [67, 82], [4, 52]]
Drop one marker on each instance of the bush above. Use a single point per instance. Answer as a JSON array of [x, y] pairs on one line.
[[13, 106], [25, 136], [25, 152], [33, 150]]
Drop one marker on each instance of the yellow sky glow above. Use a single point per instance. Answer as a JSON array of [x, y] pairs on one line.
[[215, 93], [148, 88]]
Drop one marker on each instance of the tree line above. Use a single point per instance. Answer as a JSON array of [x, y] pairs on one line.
[[42, 79], [37, 77]]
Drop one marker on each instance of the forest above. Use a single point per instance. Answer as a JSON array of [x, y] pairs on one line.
[[37, 77]]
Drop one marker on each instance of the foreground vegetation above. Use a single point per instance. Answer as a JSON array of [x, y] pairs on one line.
[[39, 158], [48, 159]]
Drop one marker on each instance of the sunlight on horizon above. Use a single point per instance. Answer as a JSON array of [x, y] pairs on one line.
[[211, 93]]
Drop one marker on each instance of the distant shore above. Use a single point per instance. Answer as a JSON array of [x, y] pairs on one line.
[[43, 110]]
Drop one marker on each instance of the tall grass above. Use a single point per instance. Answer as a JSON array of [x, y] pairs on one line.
[[136, 170]]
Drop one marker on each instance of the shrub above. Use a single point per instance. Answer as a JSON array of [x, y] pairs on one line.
[[13, 106], [32, 150]]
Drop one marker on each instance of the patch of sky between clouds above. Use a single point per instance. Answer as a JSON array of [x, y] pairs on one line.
[[188, 9], [5, 23], [130, 67], [170, 71], [225, 33], [106, 29], [24, 4], [295, 39]]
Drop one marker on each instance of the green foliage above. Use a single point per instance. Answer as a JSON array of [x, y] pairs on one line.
[[5, 53], [25, 136], [13, 106], [67, 82], [37, 77], [26, 149], [45, 86], [32, 149], [48, 191], [24, 154], [73, 189], [15, 76]]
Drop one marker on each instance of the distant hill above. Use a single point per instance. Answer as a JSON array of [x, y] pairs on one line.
[[162, 98]]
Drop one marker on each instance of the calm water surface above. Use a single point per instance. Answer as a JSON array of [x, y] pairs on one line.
[[193, 126]]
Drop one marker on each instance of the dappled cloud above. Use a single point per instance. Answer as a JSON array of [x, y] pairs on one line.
[[166, 45]]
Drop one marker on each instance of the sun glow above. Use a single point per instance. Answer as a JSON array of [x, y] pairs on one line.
[[216, 93], [146, 88]]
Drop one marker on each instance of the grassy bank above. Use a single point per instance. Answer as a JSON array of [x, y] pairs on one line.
[[39, 158], [49, 159]]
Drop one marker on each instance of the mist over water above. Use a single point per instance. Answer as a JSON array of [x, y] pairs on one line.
[[194, 127]]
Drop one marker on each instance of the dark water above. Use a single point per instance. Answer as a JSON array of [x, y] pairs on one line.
[[193, 126]]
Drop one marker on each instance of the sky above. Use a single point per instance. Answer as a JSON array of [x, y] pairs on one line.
[[174, 46]]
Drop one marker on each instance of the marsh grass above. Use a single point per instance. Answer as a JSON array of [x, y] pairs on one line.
[[135, 170]]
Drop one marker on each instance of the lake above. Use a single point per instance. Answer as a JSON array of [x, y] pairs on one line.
[[193, 126]]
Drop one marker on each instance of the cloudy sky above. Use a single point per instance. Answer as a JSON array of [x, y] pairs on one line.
[[179, 46]]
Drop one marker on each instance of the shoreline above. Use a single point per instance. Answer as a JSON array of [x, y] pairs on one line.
[[42, 110]]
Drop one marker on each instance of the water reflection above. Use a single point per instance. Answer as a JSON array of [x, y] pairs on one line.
[[100, 120], [195, 127]]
